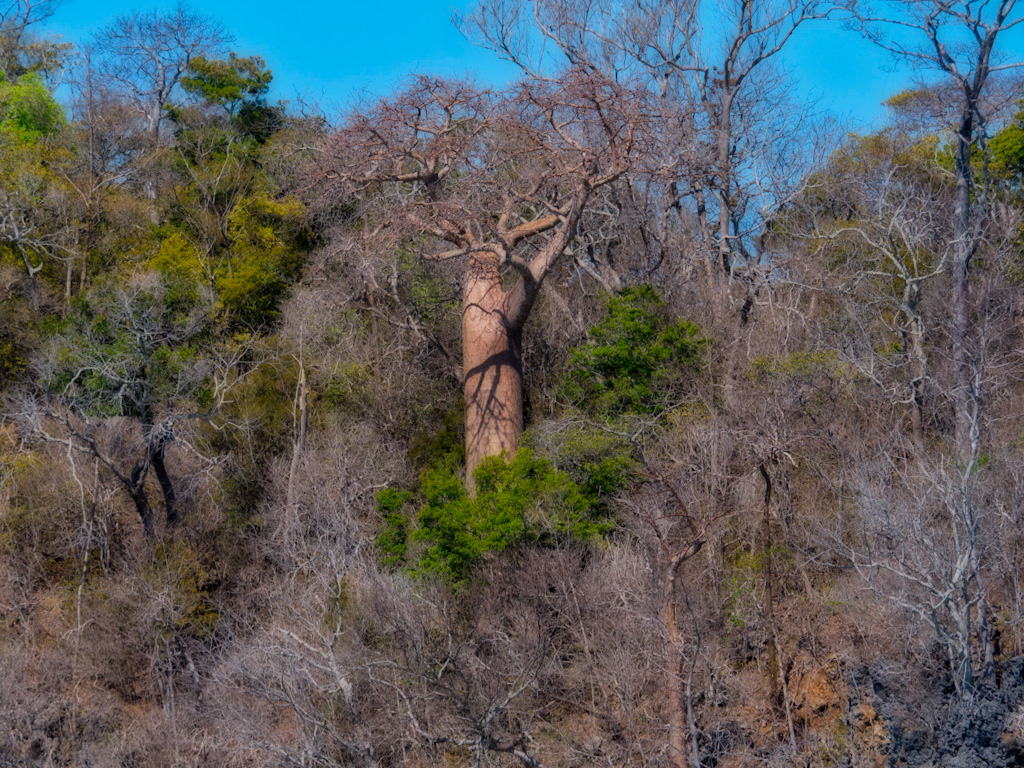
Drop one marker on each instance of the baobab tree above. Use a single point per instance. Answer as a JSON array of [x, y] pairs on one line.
[[739, 146], [502, 180]]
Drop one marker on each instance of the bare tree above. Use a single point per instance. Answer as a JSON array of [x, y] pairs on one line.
[[729, 141], [146, 53], [929, 533], [958, 40], [874, 215], [501, 180], [677, 537], [20, 50], [111, 148]]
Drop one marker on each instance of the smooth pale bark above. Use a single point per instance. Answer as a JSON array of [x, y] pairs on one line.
[[918, 360], [492, 325], [492, 362], [301, 395]]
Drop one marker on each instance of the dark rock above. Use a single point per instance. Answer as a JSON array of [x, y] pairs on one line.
[[938, 728]]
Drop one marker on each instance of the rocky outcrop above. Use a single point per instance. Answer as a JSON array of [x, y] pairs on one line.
[[892, 727]]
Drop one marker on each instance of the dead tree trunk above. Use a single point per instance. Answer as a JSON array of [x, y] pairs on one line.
[[301, 395], [963, 251]]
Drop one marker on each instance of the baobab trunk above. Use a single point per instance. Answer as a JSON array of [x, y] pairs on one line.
[[492, 364]]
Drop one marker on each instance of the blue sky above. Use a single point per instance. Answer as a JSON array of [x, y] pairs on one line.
[[326, 51], [331, 51]]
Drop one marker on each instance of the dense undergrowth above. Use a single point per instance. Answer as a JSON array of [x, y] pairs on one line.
[[234, 520]]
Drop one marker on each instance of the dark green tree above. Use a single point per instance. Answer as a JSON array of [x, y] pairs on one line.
[[638, 358]]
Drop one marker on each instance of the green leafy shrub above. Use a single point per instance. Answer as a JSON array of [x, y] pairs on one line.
[[123, 350], [394, 535], [443, 447], [637, 360], [524, 501], [601, 462], [28, 111], [268, 242], [818, 375], [176, 575], [746, 578]]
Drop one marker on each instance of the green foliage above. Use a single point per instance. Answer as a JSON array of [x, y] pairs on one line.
[[239, 85], [1008, 147], [800, 365], [917, 157], [393, 540], [746, 579], [227, 82], [259, 416], [347, 389], [18, 340], [178, 264], [815, 379], [244, 242], [28, 111], [33, 185], [832, 193], [833, 747], [1006, 169], [460, 530], [909, 99], [526, 500], [266, 255], [602, 463], [443, 448], [820, 371], [12, 361], [637, 360], [123, 349]]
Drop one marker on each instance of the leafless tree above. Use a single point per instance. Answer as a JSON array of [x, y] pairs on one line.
[[727, 142], [958, 40], [20, 51], [501, 180], [875, 216], [109, 161], [145, 53]]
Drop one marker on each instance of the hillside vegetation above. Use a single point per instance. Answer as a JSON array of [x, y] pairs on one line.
[[629, 414]]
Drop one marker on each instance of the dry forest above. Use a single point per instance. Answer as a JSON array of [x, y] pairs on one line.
[[635, 412]]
